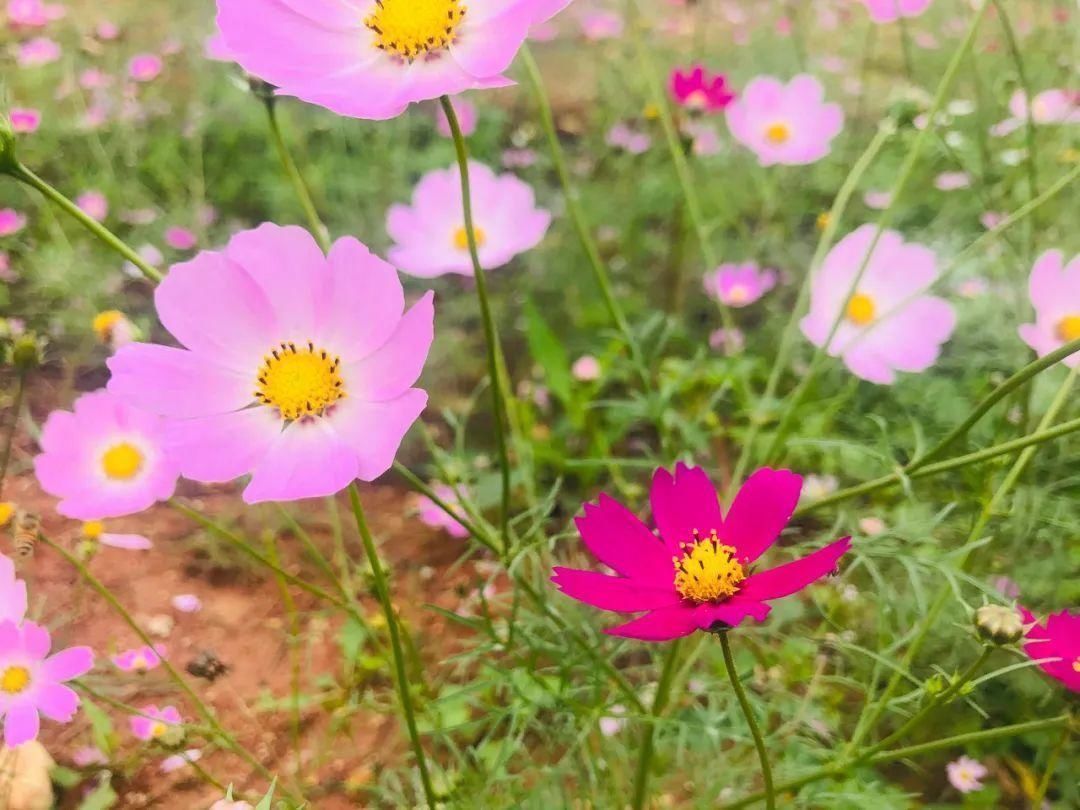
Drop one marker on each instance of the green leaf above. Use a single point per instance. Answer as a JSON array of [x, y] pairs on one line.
[[101, 798], [549, 352], [268, 799]]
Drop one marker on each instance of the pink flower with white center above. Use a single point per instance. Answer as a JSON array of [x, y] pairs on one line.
[[104, 459], [429, 235], [602, 24], [785, 123], [951, 181], [145, 67], [38, 51], [886, 11], [296, 367], [12, 593], [621, 136], [466, 114], [88, 757], [696, 575], [518, 158], [372, 58], [11, 222], [1059, 640], [180, 238], [586, 369], [94, 531], [965, 774], [94, 204], [739, 285], [888, 325], [435, 517], [153, 723], [139, 660], [700, 91], [24, 120], [1054, 288], [1047, 107], [32, 681]]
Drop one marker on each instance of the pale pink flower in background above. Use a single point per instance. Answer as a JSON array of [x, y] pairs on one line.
[[785, 123], [706, 140], [886, 11], [783, 26], [145, 67], [1054, 288], [972, 287], [106, 30], [1047, 108], [739, 285], [880, 331], [816, 487], [727, 341], [139, 660], [586, 369], [622, 136], [94, 530], [1006, 587], [466, 114], [991, 219], [33, 13], [104, 459], [872, 526], [518, 158], [180, 238], [613, 722], [226, 804], [925, 40], [602, 24], [149, 254], [833, 64], [153, 722], [951, 181], [24, 120], [12, 593], [11, 222], [206, 215], [94, 204], [965, 774], [171, 47], [877, 199], [140, 216], [372, 58], [94, 117], [177, 762], [88, 756], [435, 517], [429, 235], [214, 48], [297, 368], [38, 51]]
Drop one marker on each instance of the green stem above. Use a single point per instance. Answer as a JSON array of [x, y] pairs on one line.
[[300, 186], [9, 435], [294, 654], [1051, 766], [490, 335], [751, 721], [382, 592], [645, 750], [24, 175], [423, 489]]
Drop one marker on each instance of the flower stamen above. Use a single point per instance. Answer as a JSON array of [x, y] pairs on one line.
[[778, 134], [412, 28], [708, 570], [15, 680], [861, 309], [122, 461], [1068, 328], [461, 238], [300, 382]]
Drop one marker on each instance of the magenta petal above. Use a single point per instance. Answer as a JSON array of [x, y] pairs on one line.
[[612, 593], [786, 579], [21, 724], [57, 702], [619, 540], [761, 510], [732, 612], [663, 624], [73, 662], [684, 503]]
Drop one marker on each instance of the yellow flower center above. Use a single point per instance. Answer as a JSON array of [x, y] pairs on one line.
[[1076, 665], [778, 133], [1068, 328], [411, 28], [139, 662], [158, 729], [104, 322], [93, 529], [300, 382], [822, 221], [461, 238], [697, 100], [738, 294], [7, 511], [861, 309], [15, 680], [122, 461], [708, 570]]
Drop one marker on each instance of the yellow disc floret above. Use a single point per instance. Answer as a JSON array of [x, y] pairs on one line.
[[778, 133], [461, 238], [301, 381], [104, 323], [708, 570], [122, 461], [1068, 328], [861, 309], [412, 28], [15, 680], [93, 529]]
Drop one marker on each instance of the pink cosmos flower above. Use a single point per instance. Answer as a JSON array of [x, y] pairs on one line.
[[372, 58], [176, 762], [88, 756], [33, 13], [38, 51], [180, 238], [227, 804], [94, 79], [140, 660], [877, 199], [789, 124], [729, 341], [951, 181], [1047, 107], [32, 681], [1006, 587], [297, 367], [965, 774], [107, 30], [11, 221], [94, 204], [94, 530], [435, 517], [886, 11], [24, 119], [518, 158], [12, 593], [739, 285], [104, 459], [621, 136], [465, 111], [888, 325], [586, 369], [699, 90], [429, 236], [696, 575], [1058, 639], [144, 67], [187, 603], [1054, 288], [602, 24], [153, 722]]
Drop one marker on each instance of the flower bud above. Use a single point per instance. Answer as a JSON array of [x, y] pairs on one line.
[[999, 624], [7, 146], [27, 352]]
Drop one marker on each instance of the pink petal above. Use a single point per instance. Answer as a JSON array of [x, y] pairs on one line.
[[35, 640], [794, 576], [57, 702], [612, 593], [21, 724], [307, 460], [397, 364], [663, 624], [761, 510], [221, 447], [74, 662], [175, 382], [374, 430], [128, 542], [684, 503], [619, 540], [367, 300]]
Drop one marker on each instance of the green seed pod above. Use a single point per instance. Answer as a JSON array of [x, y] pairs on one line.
[[27, 352], [999, 624]]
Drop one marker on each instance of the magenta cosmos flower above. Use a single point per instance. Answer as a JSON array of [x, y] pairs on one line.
[[1054, 288], [1058, 639], [785, 123], [32, 681], [888, 325], [104, 459], [697, 575], [372, 58], [24, 120], [430, 238], [739, 285], [296, 367], [145, 67], [700, 91], [12, 593], [886, 11], [11, 221]]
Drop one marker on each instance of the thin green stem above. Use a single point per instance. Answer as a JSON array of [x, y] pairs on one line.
[[9, 434], [294, 653], [648, 734], [300, 186], [24, 175], [382, 592], [1051, 766], [490, 334], [751, 721], [423, 489]]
